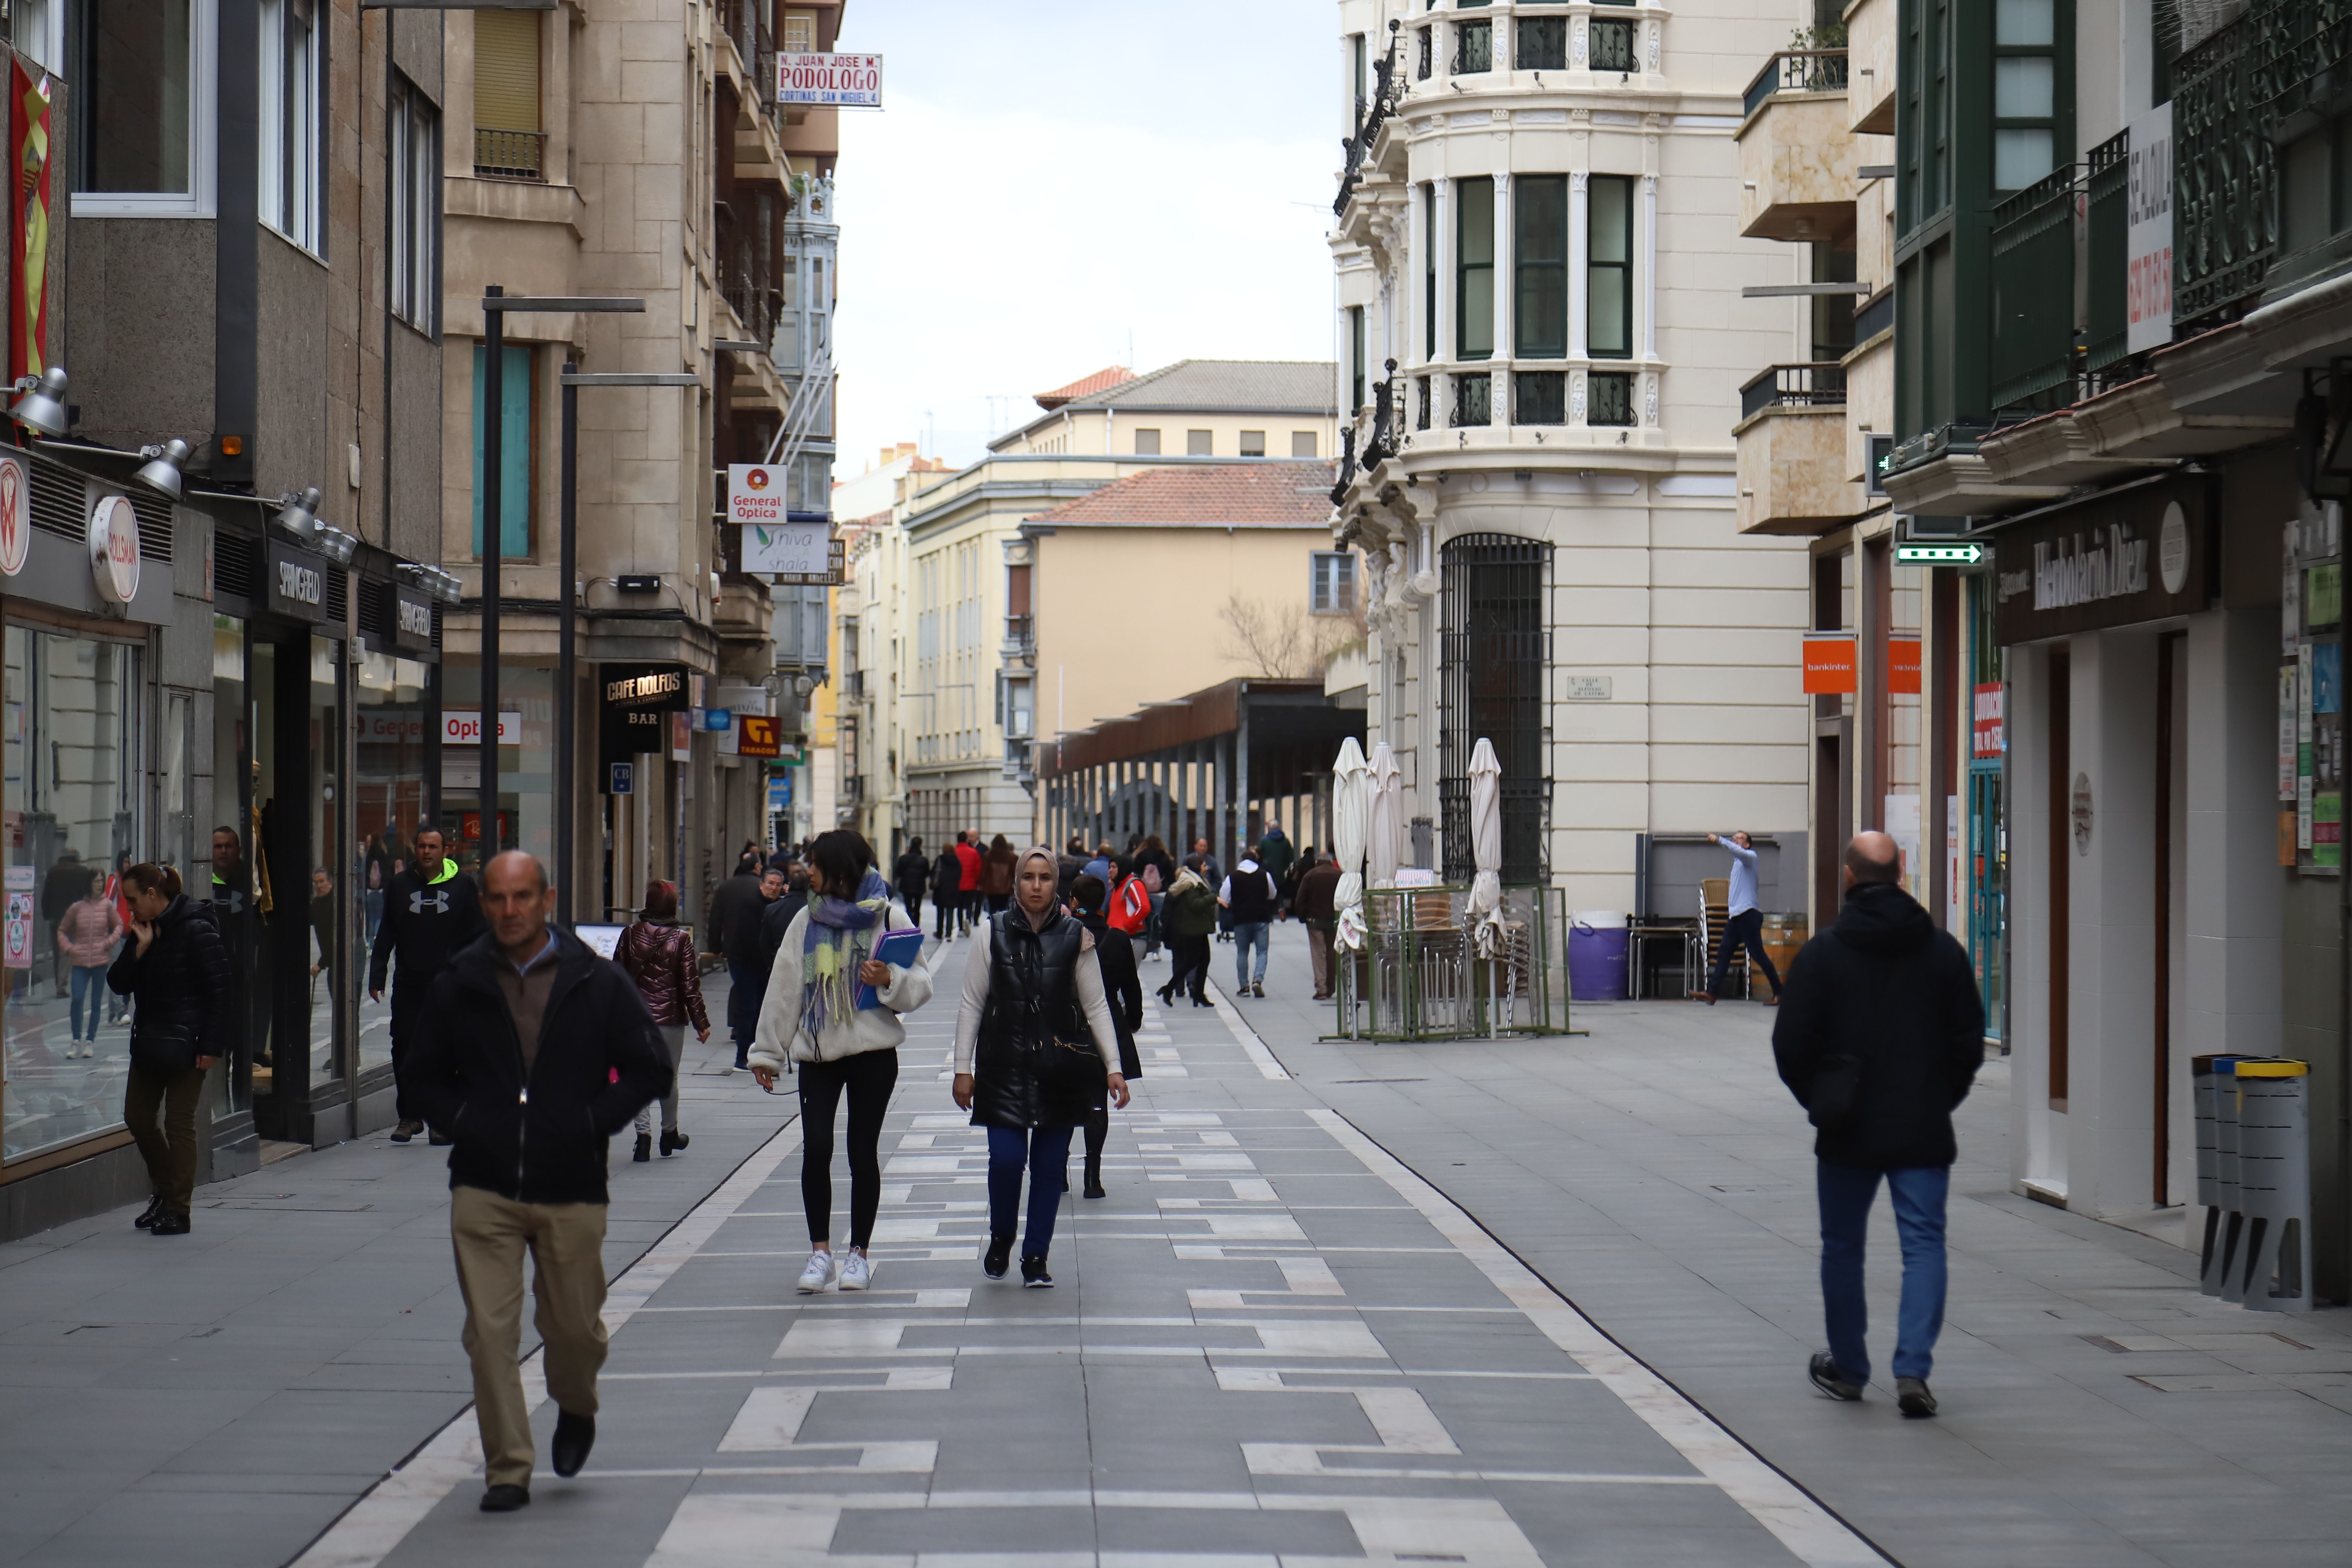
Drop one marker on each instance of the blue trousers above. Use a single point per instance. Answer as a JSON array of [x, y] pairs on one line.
[[1046, 1152], [88, 980], [1918, 1194], [747, 987], [1246, 935]]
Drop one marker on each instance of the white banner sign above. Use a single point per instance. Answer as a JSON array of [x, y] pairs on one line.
[[845, 81], [463, 727], [2147, 232], [788, 547]]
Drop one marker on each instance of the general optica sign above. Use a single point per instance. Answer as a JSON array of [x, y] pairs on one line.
[[842, 81]]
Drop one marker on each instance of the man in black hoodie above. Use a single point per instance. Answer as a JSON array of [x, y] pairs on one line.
[[431, 911], [533, 1053], [1879, 1035]]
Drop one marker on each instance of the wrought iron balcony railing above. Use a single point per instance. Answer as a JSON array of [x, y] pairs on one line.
[[2107, 335], [1795, 70], [2034, 294], [1381, 446], [1612, 398], [1387, 88], [2298, 55], [1819, 383], [2225, 185], [1615, 44], [510, 155], [1474, 400], [1539, 398]]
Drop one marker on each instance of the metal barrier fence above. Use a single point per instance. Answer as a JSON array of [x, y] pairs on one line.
[[1419, 975]]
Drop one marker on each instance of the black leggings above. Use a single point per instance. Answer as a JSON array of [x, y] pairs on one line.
[[869, 1077]]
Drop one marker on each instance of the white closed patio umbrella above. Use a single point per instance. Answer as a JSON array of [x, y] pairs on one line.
[[1384, 844], [1485, 848], [1350, 787]]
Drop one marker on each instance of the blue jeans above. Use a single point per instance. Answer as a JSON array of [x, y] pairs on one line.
[[88, 980], [1917, 1195], [1248, 934], [747, 987], [1046, 1152]]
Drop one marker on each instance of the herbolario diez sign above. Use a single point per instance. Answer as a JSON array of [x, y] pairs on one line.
[[2140, 553]]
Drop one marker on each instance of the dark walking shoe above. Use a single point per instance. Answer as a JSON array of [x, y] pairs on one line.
[[437, 1141], [169, 1224], [1000, 1253], [574, 1435], [407, 1130], [645, 1148], [1911, 1397], [1033, 1275], [1167, 995], [153, 1210], [672, 1141], [1831, 1381], [1706, 996], [1093, 1182], [503, 1499]]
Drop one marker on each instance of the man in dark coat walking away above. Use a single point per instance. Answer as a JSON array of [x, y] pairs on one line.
[[431, 914], [947, 893], [1879, 1035], [1313, 902], [912, 872], [534, 1052], [745, 942]]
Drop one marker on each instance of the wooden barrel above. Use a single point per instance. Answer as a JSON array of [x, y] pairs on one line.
[[1783, 936]]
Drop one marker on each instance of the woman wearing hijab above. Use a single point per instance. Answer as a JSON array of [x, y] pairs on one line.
[[812, 1015], [656, 953], [1126, 995], [1036, 1055]]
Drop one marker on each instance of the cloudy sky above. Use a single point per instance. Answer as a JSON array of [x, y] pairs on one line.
[[1055, 182]]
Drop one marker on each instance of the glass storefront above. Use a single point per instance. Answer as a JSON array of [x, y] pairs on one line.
[[526, 694], [227, 850], [70, 796], [387, 803]]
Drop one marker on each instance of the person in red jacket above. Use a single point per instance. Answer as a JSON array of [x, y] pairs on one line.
[[968, 855], [659, 954]]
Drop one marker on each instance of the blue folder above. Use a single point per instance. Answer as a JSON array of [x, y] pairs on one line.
[[901, 948]]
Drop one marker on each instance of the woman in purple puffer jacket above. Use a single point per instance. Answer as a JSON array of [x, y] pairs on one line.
[[659, 954]]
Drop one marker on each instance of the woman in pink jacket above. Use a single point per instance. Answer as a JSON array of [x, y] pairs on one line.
[[87, 933]]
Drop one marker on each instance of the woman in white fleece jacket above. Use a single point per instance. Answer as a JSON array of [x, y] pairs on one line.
[[811, 1015]]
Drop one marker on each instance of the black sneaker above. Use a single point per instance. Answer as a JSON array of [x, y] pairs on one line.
[[505, 1498], [147, 1216], [1033, 1275], [1831, 1381], [574, 1435], [1000, 1255], [1911, 1397], [169, 1224]]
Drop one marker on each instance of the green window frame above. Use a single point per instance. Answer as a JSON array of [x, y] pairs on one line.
[[515, 452], [2033, 90], [1609, 266], [1539, 266], [1474, 267], [1355, 359], [1429, 271]]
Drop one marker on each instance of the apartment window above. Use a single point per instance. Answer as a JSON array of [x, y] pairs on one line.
[[1614, 47], [292, 122], [800, 31], [1539, 263], [1362, 49], [1147, 443], [2024, 93], [1197, 445], [1252, 442], [1539, 398], [508, 142], [1302, 443], [1332, 590], [1474, 283], [1474, 47], [516, 470], [1609, 267], [1355, 359], [1429, 270], [1421, 399], [1474, 400], [1924, 131], [416, 202], [37, 27], [1542, 43], [142, 108], [1612, 398]]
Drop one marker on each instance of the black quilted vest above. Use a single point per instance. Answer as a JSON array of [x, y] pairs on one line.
[[1033, 999]]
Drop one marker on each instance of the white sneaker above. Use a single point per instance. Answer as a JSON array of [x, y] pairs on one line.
[[818, 1274], [856, 1272]]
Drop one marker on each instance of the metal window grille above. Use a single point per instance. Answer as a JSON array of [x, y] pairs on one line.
[[1493, 652], [1612, 398], [1474, 47], [1474, 399], [508, 154], [1421, 416], [1612, 44], [1428, 62], [1542, 43], [1539, 398]]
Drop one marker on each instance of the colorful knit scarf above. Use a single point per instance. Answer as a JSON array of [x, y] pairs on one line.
[[831, 950]]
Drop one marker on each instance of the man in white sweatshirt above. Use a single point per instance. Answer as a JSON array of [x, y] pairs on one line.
[[1745, 926]]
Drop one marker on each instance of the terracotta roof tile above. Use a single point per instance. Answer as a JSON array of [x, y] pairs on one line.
[[1101, 381], [1207, 495]]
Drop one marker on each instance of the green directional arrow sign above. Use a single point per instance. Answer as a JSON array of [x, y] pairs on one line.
[[1939, 555]]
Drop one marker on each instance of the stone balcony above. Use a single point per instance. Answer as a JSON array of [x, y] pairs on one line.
[[1796, 474], [1796, 143]]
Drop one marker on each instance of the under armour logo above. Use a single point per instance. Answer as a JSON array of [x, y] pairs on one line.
[[232, 901], [418, 903]]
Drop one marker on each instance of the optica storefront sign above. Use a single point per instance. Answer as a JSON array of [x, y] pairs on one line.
[[463, 727], [842, 81]]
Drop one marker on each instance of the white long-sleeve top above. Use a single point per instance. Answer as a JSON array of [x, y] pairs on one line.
[[866, 1028], [1092, 999]]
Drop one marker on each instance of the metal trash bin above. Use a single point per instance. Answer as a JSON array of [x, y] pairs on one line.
[[2217, 1193], [2274, 1184]]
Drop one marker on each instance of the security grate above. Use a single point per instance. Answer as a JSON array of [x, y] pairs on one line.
[[1493, 652], [237, 564], [154, 515], [339, 596], [58, 504]]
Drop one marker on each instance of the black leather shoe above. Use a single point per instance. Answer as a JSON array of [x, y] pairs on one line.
[[1167, 995], [574, 1435], [1033, 1275], [672, 1141], [1912, 1398], [437, 1142], [505, 1498], [1000, 1253], [147, 1216], [1826, 1377], [645, 1148], [169, 1224], [1094, 1185]]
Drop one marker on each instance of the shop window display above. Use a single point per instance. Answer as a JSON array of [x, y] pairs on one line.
[[70, 806], [387, 805]]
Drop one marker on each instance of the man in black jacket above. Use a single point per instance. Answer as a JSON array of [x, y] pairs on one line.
[[431, 912], [1879, 1035], [747, 961], [913, 874], [534, 1052]]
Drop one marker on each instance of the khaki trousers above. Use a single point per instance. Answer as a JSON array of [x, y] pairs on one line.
[[566, 1242], [168, 1143], [1319, 953]]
